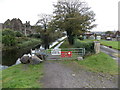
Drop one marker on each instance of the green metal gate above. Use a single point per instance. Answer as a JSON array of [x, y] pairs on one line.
[[62, 53]]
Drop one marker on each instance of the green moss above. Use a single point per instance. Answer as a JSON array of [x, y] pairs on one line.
[[22, 76]]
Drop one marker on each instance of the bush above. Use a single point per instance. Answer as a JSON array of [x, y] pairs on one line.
[[18, 34], [8, 37], [8, 32], [8, 40], [89, 46], [35, 35]]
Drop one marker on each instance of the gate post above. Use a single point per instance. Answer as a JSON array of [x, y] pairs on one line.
[[97, 47]]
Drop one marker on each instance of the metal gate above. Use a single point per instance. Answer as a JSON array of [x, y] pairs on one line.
[[62, 53]]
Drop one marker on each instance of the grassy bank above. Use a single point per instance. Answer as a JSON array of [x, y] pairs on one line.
[[114, 44], [66, 44], [100, 63], [22, 76], [57, 43], [96, 62]]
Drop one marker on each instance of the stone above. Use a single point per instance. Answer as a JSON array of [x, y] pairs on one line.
[[35, 60], [41, 56], [79, 58], [25, 59], [97, 47], [73, 75]]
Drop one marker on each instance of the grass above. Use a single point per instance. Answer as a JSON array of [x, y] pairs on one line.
[[114, 44], [66, 44], [100, 63], [57, 44], [19, 76], [97, 62]]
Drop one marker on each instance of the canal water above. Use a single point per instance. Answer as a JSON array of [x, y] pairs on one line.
[[12, 57]]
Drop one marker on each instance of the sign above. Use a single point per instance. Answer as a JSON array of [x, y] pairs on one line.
[[56, 51], [66, 54]]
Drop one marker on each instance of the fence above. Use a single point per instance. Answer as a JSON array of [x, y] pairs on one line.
[[62, 53]]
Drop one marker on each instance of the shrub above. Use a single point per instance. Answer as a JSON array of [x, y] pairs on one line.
[[35, 35], [89, 46], [8, 32], [18, 34], [8, 37], [8, 40]]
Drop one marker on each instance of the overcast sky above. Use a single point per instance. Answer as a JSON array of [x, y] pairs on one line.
[[27, 10]]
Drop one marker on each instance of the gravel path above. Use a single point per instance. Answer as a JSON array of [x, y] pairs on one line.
[[59, 75]]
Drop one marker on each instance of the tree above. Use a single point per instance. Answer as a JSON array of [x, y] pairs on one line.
[[43, 21], [109, 32], [47, 32], [74, 17], [8, 37]]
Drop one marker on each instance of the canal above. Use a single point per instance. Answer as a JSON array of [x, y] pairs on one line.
[[11, 57]]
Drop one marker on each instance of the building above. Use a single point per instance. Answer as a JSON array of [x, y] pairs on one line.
[[17, 25]]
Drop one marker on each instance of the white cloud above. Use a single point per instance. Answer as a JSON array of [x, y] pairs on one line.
[[27, 10]]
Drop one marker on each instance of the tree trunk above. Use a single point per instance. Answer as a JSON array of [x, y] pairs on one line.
[[46, 42], [70, 37]]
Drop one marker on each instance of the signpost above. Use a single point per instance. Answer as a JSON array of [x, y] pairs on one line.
[[66, 54], [56, 51]]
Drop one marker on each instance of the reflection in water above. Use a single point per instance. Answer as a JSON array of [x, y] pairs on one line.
[[12, 57]]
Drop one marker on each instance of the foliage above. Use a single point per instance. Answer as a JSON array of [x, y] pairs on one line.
[[19, 77], [29, 42], [89, 46], [37, 35], [109, 32], [8, 32], [66, 44], [74, 17], [48, 33], [8, 37], [18, 34], [100, 63], [8, 40]]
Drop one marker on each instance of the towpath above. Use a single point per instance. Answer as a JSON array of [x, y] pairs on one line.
[[60, 75]]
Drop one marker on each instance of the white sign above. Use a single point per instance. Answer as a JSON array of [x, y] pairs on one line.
[[56, 51]]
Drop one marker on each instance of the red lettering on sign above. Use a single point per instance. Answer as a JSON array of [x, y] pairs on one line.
[[66, 54]]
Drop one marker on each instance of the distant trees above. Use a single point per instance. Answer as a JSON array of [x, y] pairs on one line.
[[109, 32], [74, 17]]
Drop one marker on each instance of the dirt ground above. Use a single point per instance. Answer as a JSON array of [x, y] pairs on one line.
[[60, 75]]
